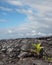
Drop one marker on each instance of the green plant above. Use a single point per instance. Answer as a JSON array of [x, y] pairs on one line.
[[49, 59], [37, 47]]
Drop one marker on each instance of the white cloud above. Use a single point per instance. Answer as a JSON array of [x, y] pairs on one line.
[[5, 9], [9, 31], [25, 11], [38, 18], [41, 34], [14, 2]]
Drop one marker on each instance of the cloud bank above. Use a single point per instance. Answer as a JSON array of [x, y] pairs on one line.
[[38, 20]]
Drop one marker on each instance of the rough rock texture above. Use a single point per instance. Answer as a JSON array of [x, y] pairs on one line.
[[11, 51]]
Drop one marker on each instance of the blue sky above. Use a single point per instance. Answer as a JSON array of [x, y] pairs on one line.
[[25, 18]]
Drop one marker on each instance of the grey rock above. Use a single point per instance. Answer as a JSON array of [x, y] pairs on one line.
[[50, 43], [26, 61], [49, 52], [22, 54], [40, 62], [11, 50], [1, 63], [26, 46], [4, 50], [0, 47]]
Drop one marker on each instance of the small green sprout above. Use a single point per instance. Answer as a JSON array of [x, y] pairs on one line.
[[37, 47], [44, 57], [49, 59]]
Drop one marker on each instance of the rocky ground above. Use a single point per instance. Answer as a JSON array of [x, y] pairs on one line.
[[11, 51]]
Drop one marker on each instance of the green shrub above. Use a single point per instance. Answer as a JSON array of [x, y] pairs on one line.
[[37, 47]]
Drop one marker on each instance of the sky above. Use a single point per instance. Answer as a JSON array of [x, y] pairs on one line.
[[25, 18]]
